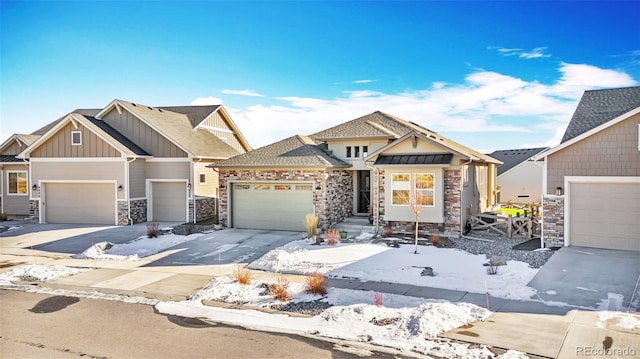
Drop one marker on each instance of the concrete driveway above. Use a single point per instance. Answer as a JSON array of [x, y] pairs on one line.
[[603, 279], [218, 247]]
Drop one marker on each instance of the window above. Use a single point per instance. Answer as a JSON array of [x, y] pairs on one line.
[[400, 187], [425, 188], [357, 151], [203, 178], [282, 187], [365, 151], [241, 187], [76, 138], [348, 151], [17, 182], [261, 187]]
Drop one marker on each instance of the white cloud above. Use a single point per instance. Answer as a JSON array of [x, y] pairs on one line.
[[250, 93], [535, 53], [203, 101], [486, 103], [362, 81]]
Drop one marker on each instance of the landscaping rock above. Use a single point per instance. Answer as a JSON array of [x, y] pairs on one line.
[[427, 272]]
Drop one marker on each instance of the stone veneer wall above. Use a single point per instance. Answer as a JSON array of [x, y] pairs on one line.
[[452, 212], [34, 210], [123, 213], [333, 202], [138, 210], [206, 208], [553, 220]]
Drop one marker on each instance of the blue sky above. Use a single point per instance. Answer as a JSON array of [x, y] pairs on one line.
[[490, 75]]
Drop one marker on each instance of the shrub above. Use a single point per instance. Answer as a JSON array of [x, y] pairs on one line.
[[279, 289], [377, 299], [316, 284], [333, 236], [435, 240], [311, 222], [152, 229], [242, 275]]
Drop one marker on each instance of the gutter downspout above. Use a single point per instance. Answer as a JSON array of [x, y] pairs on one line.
[[544, 191], [463, 224]]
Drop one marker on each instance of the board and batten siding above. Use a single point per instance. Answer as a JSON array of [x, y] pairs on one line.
[[217, 125], [13, 149], [610, 152], [78, 171], [167, 170], [210, 187], [59, 145], [137, 179], [14, 204], [142, 134]]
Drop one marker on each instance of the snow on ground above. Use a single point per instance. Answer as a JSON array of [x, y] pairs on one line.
[[136, 249], [453, 268], [39, 273]]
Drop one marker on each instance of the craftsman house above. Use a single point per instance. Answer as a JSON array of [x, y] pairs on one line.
[[128, 163], [592, 179], [375, 164]]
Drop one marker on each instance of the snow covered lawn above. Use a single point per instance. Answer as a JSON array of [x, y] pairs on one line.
[[453, 268], [136, 249], [38, 273]]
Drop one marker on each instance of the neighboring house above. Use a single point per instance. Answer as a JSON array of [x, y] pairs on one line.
[[373, 163], [14, 176], [129, 163], [592, 179], [519, 177]]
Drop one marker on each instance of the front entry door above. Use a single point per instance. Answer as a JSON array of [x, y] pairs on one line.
[[364, 191]]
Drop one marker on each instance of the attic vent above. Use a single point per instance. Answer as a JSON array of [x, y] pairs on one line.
[[133, 103], [432, 136], [149, 107], [160, 109]]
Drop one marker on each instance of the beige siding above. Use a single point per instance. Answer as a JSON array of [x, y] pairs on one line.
[[137, 179], [14, 204], [78, 171], [522, 184], [142, 135], [611, 152], [13, 149], [59, 145], [339, 149], [167, 170], [469, 197], [210, 187], [219, 127]]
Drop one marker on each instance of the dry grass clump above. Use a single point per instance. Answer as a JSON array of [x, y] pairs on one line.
[[242, 275], [152, 229], [316, 284], [311, 222], [435, 240], [279, 290], [333, 236]]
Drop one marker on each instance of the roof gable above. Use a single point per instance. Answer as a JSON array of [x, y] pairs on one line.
[[295, 151], [597, 107], [16, 143], [512, 158]]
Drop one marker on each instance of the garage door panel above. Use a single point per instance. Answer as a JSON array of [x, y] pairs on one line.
[[271, 206], [605, 215], [84, 203], [169, 201]]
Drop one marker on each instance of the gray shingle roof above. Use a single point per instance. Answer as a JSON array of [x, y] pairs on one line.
[[195, 114], [295, 151], [84, 112], [597, 107], [512, 158], [376, 124]]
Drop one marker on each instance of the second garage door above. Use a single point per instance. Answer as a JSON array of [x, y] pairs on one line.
[[169, 201], [87, 203], [281, 206], [605, 215]]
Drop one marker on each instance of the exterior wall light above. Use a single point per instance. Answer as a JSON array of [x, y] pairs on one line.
[[120, 188], [558, 191]]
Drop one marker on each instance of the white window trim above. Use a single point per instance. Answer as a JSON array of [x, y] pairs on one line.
[[432, 190], [8, 182], [73, 143], [200, 177]]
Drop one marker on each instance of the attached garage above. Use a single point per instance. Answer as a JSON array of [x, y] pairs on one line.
[[86, 203], [169, 202], [604, 214], [279, 206]]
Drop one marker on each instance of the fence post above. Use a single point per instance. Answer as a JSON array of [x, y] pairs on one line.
[[529, 227], [509, 226]]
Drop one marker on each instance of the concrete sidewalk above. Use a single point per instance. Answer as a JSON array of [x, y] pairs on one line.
[[531, 327]]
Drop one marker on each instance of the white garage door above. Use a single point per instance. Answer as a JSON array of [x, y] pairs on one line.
[[89, 203], [605, 215], [169, 201], [281, 206]]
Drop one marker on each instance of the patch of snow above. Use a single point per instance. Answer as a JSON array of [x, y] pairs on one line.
[[37, 272], [587, 289], [624, 320], [551, 292], [513, 354], [136, 249], [365, 236], [454, 269], [541, 249]]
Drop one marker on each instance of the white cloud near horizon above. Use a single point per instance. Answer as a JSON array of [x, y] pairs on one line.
[[362, 81], [203, 101], [250, 93], [486, 102]]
